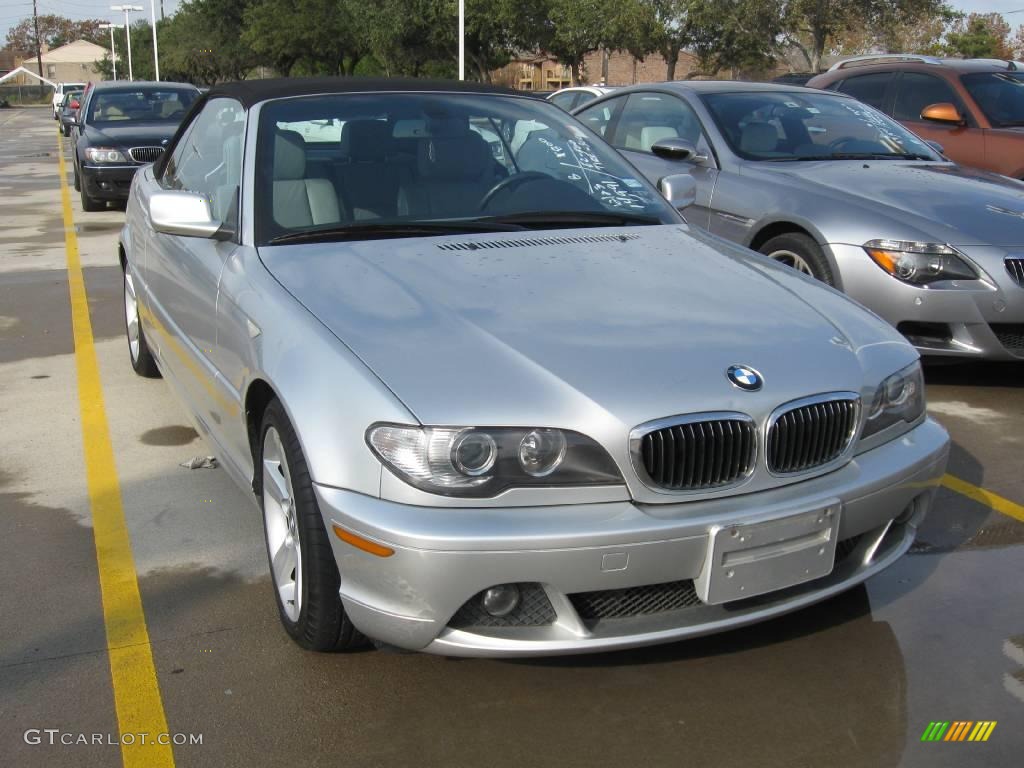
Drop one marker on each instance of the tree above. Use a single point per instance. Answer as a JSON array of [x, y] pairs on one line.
[[980, 36], [577, 28], [309, 37], [201, 43], [812, 25], [54, 31]]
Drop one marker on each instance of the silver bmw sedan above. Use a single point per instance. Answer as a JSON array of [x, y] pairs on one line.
[[491, 394], [837, 190]]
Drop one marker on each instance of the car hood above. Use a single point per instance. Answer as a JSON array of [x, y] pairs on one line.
[[952, 204], [130, 134], [578, 329]]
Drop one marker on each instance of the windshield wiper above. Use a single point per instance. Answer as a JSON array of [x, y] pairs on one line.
[[381, 230], [851, 156], [551, 219]]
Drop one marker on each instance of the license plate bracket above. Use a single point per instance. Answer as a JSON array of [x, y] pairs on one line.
[[749, 559]]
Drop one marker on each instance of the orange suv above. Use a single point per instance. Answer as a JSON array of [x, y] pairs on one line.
[[974, 108]]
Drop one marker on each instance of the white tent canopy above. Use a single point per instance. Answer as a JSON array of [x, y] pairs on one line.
[[30, 73]]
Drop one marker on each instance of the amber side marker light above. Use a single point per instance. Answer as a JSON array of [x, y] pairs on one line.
[[360, 543]]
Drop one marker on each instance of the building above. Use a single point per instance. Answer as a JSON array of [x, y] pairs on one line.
[[538, 72], [71, 63]]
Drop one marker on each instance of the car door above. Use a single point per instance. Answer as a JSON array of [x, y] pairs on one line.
[[183, 273], [917, 90], [646, 118]]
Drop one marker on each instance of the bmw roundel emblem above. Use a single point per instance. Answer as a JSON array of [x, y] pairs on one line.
[[744, 377]]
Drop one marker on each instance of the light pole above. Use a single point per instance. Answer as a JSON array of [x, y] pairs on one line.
[[113, 50], [462, 39], [156, 56], [128, 31]]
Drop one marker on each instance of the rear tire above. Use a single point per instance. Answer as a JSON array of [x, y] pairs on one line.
[[141, 358], [302, 566], [798, 251]]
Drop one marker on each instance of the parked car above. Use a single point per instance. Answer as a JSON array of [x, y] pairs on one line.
[[509, 407], [121, 126], [837, 190], [58, 95], [794, 78], [571, 98], [974, 108], [69, 110]]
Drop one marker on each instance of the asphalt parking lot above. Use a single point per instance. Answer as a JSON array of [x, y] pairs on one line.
[[851, 682]]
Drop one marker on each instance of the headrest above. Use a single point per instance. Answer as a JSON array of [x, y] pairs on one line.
[[652, 134], [460, 158], [365, 140], [289, 156], [759, 138]]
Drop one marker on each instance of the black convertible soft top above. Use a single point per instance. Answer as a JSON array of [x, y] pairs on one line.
[[251, 92]]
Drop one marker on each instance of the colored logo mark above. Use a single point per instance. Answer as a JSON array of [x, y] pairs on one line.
[[958, 730]]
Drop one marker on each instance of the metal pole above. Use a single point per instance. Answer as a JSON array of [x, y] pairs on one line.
[[462, 39], [113, 52], [128, 37], [156, 56], [39, 43]]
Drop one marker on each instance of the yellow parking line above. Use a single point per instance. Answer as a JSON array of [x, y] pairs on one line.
[[136, 691], [989, 499]]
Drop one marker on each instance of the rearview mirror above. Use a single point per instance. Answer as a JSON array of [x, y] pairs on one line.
[[943, 112], [678, 149], [174, 212], [680, 190]]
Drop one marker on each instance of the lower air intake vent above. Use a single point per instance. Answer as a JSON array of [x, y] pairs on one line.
[[635, 601], [533, 610]]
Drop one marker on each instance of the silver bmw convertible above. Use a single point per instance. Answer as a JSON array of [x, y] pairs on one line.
[[491, 394]]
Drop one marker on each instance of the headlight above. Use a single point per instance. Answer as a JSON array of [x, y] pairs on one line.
[[899, 399], [919, 263], [484, 461], [104, 155]]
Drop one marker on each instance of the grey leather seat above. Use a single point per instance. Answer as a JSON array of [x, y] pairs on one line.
[[453, 173], [759, 138], [368, 177], [300, 201]]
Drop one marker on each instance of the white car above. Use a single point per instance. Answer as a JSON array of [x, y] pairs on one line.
[[58, 95], [573, 98]]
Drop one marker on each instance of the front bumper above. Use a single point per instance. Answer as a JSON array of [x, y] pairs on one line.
[[445, 556], [976, 321], [108, 182]]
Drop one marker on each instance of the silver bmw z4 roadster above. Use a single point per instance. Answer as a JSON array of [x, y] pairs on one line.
[[491, 394]]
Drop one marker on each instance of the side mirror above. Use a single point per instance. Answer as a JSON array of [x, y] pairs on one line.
[[680, 190], [174, 212], [943, 112], [678, 149], [937, 147]]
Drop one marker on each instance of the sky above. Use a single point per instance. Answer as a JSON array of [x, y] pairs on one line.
[[13, 11]]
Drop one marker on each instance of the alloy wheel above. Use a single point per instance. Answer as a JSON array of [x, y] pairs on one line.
[[131, 316], [793, 261], [281, 523]]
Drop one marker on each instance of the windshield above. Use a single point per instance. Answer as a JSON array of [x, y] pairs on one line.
[[151, 105], [413, 162], [1000, 96], [784, 126]]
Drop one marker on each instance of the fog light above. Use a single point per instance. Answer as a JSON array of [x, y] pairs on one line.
[[500, 600]]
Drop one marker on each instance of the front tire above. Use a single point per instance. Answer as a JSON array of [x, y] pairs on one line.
[[798, 251], [141, 358], [89, 204], [302, 566]]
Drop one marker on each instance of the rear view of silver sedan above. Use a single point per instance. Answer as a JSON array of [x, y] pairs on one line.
[[491, 394], [837, 190]]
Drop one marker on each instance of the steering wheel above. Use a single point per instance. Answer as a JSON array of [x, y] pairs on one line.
[[511, 182]]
